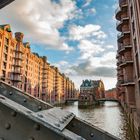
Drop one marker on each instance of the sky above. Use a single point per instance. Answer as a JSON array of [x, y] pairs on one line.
[[77, 36]]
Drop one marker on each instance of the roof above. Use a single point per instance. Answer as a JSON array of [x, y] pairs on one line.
[[8, 28], [90, 83]]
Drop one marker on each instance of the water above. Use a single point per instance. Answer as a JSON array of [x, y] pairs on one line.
[[109, 117]]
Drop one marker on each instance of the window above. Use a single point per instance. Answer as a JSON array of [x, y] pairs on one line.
[[12, 44], [131, 10], [133, 27], [0, 36], [6, 41], [137, 65], [135, 44]]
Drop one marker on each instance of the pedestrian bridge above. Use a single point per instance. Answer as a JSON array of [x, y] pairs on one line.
[[107, 99], [72, 100]]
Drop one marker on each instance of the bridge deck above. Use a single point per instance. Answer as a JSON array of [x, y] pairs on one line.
[[108, 99]]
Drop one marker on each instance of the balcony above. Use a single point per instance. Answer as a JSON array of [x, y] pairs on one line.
[[123, 35], [45, 77], [128, 83], [45, 73], [123, 3], [128, 47], [120, 73], [18, 64], [16, 72], [16, 79], [120, 82], [122, 90], [18, 57], [45, 68], [118, 63], [18, 51], [119, 25], [125, 62], [44, 81], [121, 49], [124, 48], [44, 87], [6, 50], [118, 13], [124, 20]]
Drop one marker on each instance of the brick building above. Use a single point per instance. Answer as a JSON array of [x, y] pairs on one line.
[[90, 92], [111, 94], [30, 72], [128, 64]]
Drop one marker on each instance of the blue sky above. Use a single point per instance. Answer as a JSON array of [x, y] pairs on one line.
[[78, 36]]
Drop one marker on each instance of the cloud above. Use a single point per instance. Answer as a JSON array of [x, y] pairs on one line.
[[109, 82], [40, 20], [87, 3], [90, 30], [87, 69], [89, 49], [92, 11]]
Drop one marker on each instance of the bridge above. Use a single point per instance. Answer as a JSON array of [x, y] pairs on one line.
[[23, 117], [71, 100], [107, 99]]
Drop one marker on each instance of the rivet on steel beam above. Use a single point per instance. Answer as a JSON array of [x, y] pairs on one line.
[[37, 127], [24, 100], [41, 116], [64, 119], [39, 107], [61, 121], [91, 134], [71, 114], [57, 124], [10, 93], [1, 138], [31, 138], [13, 113], [7, 126]]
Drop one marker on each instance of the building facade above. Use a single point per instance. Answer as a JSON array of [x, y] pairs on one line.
[[90, 92], [111, 94], [30, 72], [128, 64]]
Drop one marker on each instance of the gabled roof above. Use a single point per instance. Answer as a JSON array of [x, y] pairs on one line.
[[7, 26], [90, 83]]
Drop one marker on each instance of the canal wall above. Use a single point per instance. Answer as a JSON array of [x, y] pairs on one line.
[[132, 120]]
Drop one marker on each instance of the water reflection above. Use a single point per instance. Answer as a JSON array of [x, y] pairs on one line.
[[109, 117]]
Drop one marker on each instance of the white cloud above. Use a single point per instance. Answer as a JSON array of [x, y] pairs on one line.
[[93, 11], [89, 49], [108, 82], [109, 46], [40, 20], [89, 30], [87, 3]]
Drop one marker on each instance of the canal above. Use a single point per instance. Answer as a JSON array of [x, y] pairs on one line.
[[109, 117]]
